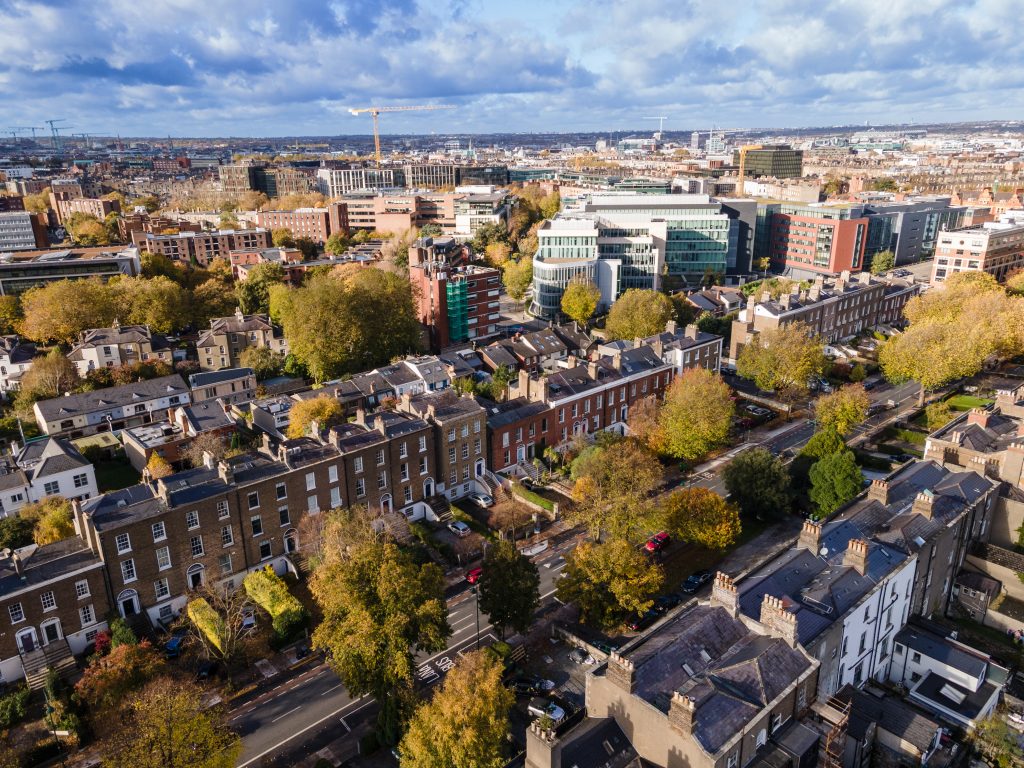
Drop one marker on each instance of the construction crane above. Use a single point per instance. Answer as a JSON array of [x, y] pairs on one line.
[[54, 129], [375, 113], [661, 122], [28, 128], [743, 164]]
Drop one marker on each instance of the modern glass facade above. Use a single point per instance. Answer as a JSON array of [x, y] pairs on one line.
[[457, 297]]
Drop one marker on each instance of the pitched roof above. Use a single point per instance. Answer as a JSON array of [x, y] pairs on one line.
[[209, 378], [111, 397], [42, 458]]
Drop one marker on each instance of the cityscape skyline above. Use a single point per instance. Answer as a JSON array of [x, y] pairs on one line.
[[296, 69]]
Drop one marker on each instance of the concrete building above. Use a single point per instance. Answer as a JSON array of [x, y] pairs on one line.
[[22, 231], [20, 272], [779, 161], [117, 346], [834, 309], [316, 224], [399, 210], [910, 229], [203, 247], [479, 206], [273, 181], [996, 248], [809, 240], [64, 204], [335, 182], [455, 304], [221, 346]]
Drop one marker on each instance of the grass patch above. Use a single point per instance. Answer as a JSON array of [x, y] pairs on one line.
[[906, 435], [966, 402], [464, 517], [114, 474], [525, 493]]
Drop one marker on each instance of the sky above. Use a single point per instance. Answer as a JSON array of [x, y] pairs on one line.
[[295, 67]]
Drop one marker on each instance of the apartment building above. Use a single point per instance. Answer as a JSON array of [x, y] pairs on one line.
[[335, 182], [316, 224], [805, 241], [236, 179], [20, 272], [64, 204], [683, 350], [22, 231], [400, 210], [171, 438], [111, 409], [834, 309], [455, 304], [53, 603], [16, 357], [479, 206], [243, 261], [995, 248], [135, 226], [117, 346], [228, 386], [44, 467], [222, 345], [203, 247]]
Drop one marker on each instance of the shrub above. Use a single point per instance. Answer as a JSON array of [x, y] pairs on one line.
[[271, 594], [13, 707], [208, 622]]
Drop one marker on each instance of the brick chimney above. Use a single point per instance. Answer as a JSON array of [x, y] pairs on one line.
[[621, 672], [361, 416], [524, 383], [617, 361], [778, 621], [879, 491], [543, 748], [226, 472], [671, 327], [923, 504], [810, 536], [978, 416], [856, 556], [692, 331], [592, 369], [723, 593], [682, 713]]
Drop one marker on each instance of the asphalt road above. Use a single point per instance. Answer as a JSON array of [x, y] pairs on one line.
[[308, 711]]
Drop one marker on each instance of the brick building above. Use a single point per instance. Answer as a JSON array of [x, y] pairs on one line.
[[397, 212], [222, 345], [455, 304], [317, 224], [810, 240], [996, 248], [203, 247], [170, 439], [64, 204]]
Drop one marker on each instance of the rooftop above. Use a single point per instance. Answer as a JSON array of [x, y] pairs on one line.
[[209, 378], [111, 397], [42, 564]]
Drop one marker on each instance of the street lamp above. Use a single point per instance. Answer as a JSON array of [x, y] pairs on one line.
[[476, 603]]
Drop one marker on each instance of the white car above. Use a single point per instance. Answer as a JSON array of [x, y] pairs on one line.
[[539, 707], [459, 528], [480, 499]]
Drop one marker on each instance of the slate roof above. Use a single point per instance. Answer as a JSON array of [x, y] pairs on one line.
[[543, 343], [498, 354], [11, 477], [942, 650], [598, 743], [49, 456], [122, 334], [111, 397], [16, 350], [511, 411], [41, 564], [890, 714], [209, 378], [979, 582]]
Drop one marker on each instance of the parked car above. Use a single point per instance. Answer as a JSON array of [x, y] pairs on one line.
[[666, 603], [658, 542], [642, 621], [207, 670], [248, 620], [174, 644], [579, 656], [695, 581], [757, 411], [532, 685], [480, 499], [474, 575], [459, 528], [606, 647], [539, 707], [902, 458]]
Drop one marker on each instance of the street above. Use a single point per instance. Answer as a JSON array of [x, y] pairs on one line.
[[305, 713]]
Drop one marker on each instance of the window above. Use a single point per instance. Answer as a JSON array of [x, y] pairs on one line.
[[127, 570], [408, 494], [282, 513], [915, 676], [254, 500], [846, 642], [358, 462], [227, 536], [282, 491], [17, 614], [161, 589], [192, 519], [915, 657], [776, 721], [265, 550], [163, 558], [423, 443], [159, 532], [310, 481], [222, 510], [124, 543], [360, 488], [81, 480], [455, 478], [732, 760], [863, 642], [451, 435], [382, 481], [81, 589], [380, 457], [51, 488], [762, 738], [885, 649], [476, 447], [332, 473], [196, 545], [403, 450], [405, 472], [423, 465], [48, 600], [257, 525], [465, 450], [225, 564], [451, 455], [87, 615]]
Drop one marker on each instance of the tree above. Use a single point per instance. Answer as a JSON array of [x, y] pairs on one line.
[[497, 254], [109, 680], [379, 609], [10, 314], [509, 588], [61, 310], [782, 359], [50, 376], [121, 634], [308, 248], [254, 292], [638, 314], [37, 203], [168, 725], [158, 467], [758, 482], [86, 230], [150, 202], [883, 262], [200, 445], [645, 424], [465, 723], [696, 414], [218, 618], [15, 532], [1015, 283], [431, 230], [842, 409], [580, 300], [265, 362], [550, 204], [158, 302], [608, 580], [488, 233], [885, 184], [835, 480], [323, 409], [825, 442], [212, 298], [613, 489], [701, 516], [228, 221], [997, 742], [282, 238], [52, 519], [517, 276], [336, 244], [938, 415]]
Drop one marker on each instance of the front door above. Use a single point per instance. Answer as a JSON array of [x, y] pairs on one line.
[[51, 632], [27, 640], [128, 607], [521, 454]]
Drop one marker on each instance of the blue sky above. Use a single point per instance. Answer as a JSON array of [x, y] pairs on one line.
[[293, 67]]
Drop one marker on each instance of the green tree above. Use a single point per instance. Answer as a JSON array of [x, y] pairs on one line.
[[700, 516], [158, 302], [997, 742], [580, 300], [61, 310], [857, 373], [50, 376], [323, 409], [308, 248], [254, 293], [431, 230], [121, 634], [150, 202], [883, 262], [509, 588], [608, 581], [379, 610], [885, 184], [213, 298], [109, 681], [696, 414], [782, 359], [517, 275], [638, 314], [842, 409], [1015, 283], [15, 532], [10, 314], [168, 725], [938, 415], [825, 442], [465, 723], [336, 244], [835, 480], [758, 483], [488, 233], [265, 362], [282, 238]]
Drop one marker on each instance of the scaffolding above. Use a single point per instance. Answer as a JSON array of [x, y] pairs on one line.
[[835, 715]]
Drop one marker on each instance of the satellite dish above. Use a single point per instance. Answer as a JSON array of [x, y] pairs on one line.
[[823, 551]]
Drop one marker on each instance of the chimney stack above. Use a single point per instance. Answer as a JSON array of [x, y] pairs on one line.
[[226, 473], [682, 712], [856, 556], [923, 504], [361, 416], [724, 593], [879, 491], [810, 536], [777, 620], [208, 460], [617, 361], [621, 672], [978, 416], [692, 331], [524, 383], [592, 369], [671, 327]]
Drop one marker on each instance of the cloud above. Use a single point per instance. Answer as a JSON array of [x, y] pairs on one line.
[[291, 67]]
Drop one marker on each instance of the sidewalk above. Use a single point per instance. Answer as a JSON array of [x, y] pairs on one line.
[[758, 439]]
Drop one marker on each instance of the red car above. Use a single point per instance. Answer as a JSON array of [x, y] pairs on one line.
[[657, 542], [473, 576]]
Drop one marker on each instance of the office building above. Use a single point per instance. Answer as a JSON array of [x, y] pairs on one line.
[[203, 247], [479, 206], [336, 182], [22, 231], [20, 272], [273, 181], [996, 248], [316, 224], [804, 241], [778, 161], [910, 229], [399, 211]]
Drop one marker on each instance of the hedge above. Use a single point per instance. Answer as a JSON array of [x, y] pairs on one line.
[[207, 621], [270, 593], [13, 707]]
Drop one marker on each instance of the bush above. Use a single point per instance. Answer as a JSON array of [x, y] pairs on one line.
[[13, 707], [271, 594], [207, 621]]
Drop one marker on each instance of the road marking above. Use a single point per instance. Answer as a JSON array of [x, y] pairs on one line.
[[266, 752], [332, 689], [342, 720], [286, 713]]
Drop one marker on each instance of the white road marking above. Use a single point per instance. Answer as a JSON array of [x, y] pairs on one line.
[[286, 713]]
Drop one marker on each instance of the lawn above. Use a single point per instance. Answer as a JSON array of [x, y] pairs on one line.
[[519, 490], [905, 435], [966, 402], [114, 474]]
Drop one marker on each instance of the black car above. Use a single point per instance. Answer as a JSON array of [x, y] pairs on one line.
[[530, 685], [696, 581], [639, 622], [665, 603]]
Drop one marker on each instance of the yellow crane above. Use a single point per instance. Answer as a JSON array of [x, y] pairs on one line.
[[375, 113], [743, 164]]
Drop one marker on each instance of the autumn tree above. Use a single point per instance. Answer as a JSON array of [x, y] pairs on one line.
[[516, 275], [497, 253], [37, 203], [158, 302], [282, 238], [253, 293], [323, 409], [50, 376], [52, 519], [842, 409], [10, 314], [465, 723], [613, 489], [336, 244], [696, 414], [580, 300], [607, 581], [218, 616], [638, 314], [109, 681], [210, 299], [645, 424], [265, 362], [86, 230], [700, 516], [758, 483], [997, 742], [380, 608], [509, 588], [883, 262], [158, 467], [835, 480], [782, 359], [202, 444], [168, 725], [1015, 283], [61, 310]]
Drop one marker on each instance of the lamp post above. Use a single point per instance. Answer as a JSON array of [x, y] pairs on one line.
[[476, 604]]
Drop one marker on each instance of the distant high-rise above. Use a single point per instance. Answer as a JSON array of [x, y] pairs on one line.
[[694, 141], [779, 161]]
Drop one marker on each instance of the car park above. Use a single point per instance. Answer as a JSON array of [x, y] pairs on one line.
[[695, 581], [480, 499], [539, 707], [459, 528], [473, 576], [658, 542], [642, 621]]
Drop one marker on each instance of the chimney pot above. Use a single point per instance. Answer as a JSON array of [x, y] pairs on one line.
[[810, 536], [856, 556], [924, 503], [879, 491], [725, 594]]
